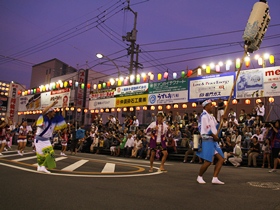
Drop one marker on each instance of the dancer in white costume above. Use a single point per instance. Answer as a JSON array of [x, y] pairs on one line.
[[47, 122]]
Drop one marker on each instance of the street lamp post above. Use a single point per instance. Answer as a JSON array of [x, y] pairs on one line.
[[99, 55]]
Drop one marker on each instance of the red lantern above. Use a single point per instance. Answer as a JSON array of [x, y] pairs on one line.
[[88, 85], [189, 73]]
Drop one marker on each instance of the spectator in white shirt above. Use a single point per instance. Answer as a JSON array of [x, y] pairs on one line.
[[260, 111], [129, 145]]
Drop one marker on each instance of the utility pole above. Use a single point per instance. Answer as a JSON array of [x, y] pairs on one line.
[[131, 37]]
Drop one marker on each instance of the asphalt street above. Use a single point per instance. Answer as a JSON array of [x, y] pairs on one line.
[[88, 181]]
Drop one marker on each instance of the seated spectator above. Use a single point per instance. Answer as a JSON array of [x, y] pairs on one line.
[[177, 136], [137, 146], [259, 136], [227, 148], [237, 155], [253, 152], [266, 150], [94, 144], [170, 145], [190, 151], [129, 145], [144, 148], [247, 137], [249, 120], [242, 117], [122, 145], [186, 137]]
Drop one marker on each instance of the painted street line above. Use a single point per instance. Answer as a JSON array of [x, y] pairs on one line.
[[74, 166], [109, 168]]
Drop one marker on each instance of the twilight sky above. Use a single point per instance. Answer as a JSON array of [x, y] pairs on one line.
[[172, 34]]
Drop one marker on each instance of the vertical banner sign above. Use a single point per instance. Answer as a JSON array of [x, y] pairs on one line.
[[13, 100], [80, 92], [3, 103]]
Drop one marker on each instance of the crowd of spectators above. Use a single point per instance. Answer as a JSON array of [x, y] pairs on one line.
[[242, 135]]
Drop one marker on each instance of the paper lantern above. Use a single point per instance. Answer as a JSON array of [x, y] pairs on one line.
[[76, 84], [159, 76], [99, 86], [183, 74], [94, 86], [159, 107], [198, 71], [247, 101], [271, 59], [168, 106], [174, 75], [184, 106], [258, 100], [138, 108], [176, 106], [145, 108], [104, 85], [79, 110], [108, 84], [271, 99], [119, 109], [85, 110], [218, 68], [107, 110], [132, 78], [165, 75], [189, 73], [208, 70], [152, 76], [131, 109], [234, 101], [83, 85], [153, 107], [138, 78], [247, 61], [88, 85], [194, 104], [237, 63], [124, 109]]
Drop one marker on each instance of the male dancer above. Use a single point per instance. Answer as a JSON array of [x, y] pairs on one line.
[[47, 122], [210, 147]]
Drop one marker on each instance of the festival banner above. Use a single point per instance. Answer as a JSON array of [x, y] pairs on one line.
[[136, 100], [29, 102], [271, 79], [168, 97], [168, 86], [250, 84], [211, 87], [102, 94], [132, 90], [102, 103], [62, 96]]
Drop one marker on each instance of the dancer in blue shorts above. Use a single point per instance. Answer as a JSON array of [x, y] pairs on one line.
[[208, 130]]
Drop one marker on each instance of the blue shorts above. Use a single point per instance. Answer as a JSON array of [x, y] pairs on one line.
[[208, 150]]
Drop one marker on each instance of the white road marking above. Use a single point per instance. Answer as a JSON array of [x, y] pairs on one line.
[[75, 165], [109, 168], [139, 161], [25, 158], [84, 175], [56, 159], [4, 156]]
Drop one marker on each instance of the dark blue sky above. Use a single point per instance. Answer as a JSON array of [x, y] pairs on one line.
[[172, 34]]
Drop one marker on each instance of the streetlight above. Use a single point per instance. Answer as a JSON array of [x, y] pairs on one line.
[[100, 56]]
